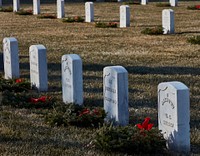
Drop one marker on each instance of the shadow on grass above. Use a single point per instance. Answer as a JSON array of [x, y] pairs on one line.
[[171, 70], [1, 62], [188, 32]]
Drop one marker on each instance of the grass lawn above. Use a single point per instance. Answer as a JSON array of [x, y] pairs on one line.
[[149, 60]]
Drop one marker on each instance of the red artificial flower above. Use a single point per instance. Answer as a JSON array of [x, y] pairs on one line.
[[145, 125], [85, 111], [197, 6], [96, 112], [18, 80], [41, 99]]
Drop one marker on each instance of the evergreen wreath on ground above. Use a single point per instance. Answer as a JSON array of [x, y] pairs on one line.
[[139, 139], [14, 85], [18, 93], [76, 115]]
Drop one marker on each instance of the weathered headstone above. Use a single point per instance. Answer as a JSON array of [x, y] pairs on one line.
[[144, 2], [174, 115], [36, 7], [16, 5], [89, 12], [173, 2], [60, 8], [38, 67], [11, 58], [168, 21], [72, 79], [124, 16], [115, 91]]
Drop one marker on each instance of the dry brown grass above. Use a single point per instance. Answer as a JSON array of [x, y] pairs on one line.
[[148, 59]]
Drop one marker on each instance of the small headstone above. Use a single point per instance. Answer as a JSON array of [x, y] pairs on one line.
[[36, 7], [16, 5], [115, 91], [89, 12], [174, 115], [173, 3], [11, 58], [38, 67], [72, 79], [60, 8], [144, 2], [124, 16], [168, 21]]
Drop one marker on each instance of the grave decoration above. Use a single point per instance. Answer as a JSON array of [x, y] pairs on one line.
[[24, 12], [158, 30], [18, 93], [165, 4], [138, 139], [47, 16], [73, 19], [106, 24], [194, 7], [76, 115], [6, 9]]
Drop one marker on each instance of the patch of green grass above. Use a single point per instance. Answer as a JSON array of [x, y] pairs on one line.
[[194, 40]]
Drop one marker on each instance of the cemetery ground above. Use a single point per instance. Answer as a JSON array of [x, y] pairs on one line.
[[149, 60]]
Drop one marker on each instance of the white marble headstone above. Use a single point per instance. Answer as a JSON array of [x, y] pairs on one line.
[[115, 91], [36, 7], [16, 5], [89, 12], [11, 58], [124, 16], [38, 67], [60, 8], [168, 21], [144, 2], [174, 115], [72, 79], [173, 2]]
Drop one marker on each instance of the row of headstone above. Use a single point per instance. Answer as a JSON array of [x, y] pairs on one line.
[[167, 14], [167, 17], [173, 97], [38, 63], [173, 100]]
